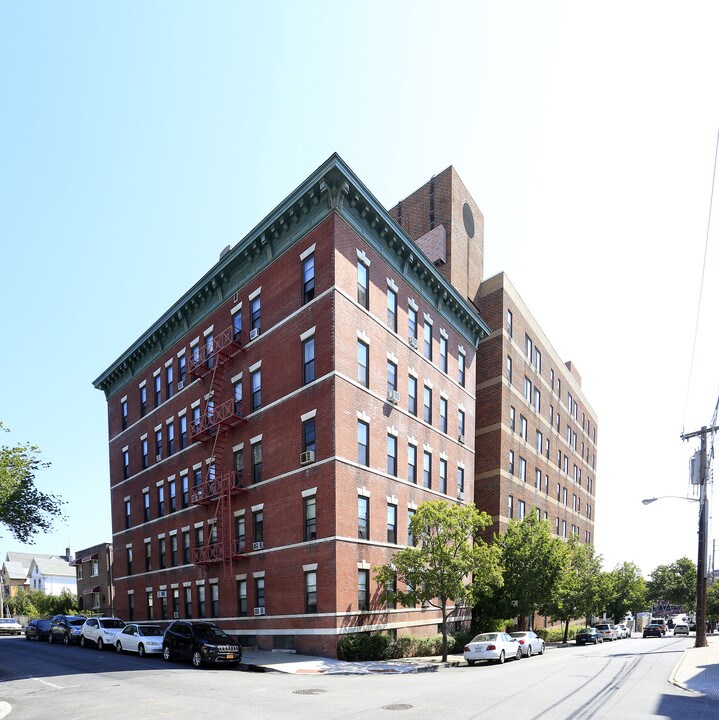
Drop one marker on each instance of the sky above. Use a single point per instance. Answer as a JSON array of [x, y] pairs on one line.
[[137, 140]]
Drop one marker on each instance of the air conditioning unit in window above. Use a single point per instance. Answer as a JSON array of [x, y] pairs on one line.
[[393, 397], [162, 593], [259, 611], [413, 342], [254, 333], [175, 616], [461, 439], [307, 457], [460, 495], [158, 457], [258, 545], [180, 384]]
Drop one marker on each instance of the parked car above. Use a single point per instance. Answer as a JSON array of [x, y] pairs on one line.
[[588, 635], [619, 631], [679, 629], [652, 630], [200, 642], [142, 639], [100, 631], [607, 631], [66, 628], [10, 626], [37, 630], [626, 631], [494, 647], [529, 642], [662, 624]]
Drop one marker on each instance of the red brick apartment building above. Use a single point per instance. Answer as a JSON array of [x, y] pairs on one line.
[[272, 433]]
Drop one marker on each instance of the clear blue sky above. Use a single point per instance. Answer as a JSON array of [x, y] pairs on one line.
[[139, 139]]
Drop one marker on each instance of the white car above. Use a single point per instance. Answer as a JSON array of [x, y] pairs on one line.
[[681, 629], [142, 639], [100, 631], [493, 646], [9, 626], [529, 642]]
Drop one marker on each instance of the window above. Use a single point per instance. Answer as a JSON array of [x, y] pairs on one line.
[[242, 598], [460, 422], [362, 443], [538, 443], [511, 462], [163, 551], [160, 501], [237, 397], [183, 432], [522, 469], [443, 414], [460, 480], [527, 389], [460, 359], [528, 347], [188, 602], [443, 353], [523, 427], [308, 360], [521, 509], [392, 523], [201, 602], [427, 469], [185, 482], [214, 600], [257, 462], [412, 464], [363, 363], [427, 340], [171, 439], [129, 560], [169, 382], [185, 547], [256, 382], [196, 419], [198, 476], [158, 390], [260, 592], [512, 415], [362, 517], [443, 476], [143, 401], [125, 464], [509, 369], [510, 507], [258, 526], [123, 411], [363, 589], [173, 550], [150, 607], [94, 568], [311, 592], [362, 281], [412, 322], [158, 445], [308, 435], [148, 556], [145, 505], [255, 313], [127, 514], [537, 400], [428, 404], [392, 310], [182, 370], [410, 534], [172, 485], [509, 323], [537, 360], [391, 378], [210, 350], [308, 279], [412, 395], [310, 517], [240, 532], [391, 455], [237, 326]]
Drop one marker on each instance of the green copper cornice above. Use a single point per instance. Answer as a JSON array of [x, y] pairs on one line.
[[333, 187]]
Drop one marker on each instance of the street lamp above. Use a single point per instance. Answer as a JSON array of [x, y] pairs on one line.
[[701, 613]]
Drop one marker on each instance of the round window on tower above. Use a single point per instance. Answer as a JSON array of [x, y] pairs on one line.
[[468, 220]]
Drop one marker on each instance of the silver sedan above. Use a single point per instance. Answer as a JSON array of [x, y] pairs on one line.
[[529, 642], [493, 646]]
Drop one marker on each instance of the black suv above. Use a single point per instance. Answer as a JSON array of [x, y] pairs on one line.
[[66, 628], [201, 642]]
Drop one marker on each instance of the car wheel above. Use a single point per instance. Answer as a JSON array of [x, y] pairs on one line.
[[166, 654], [470, 663], [49, 638], [518, 656], [541, 649], [83, 642], [100, 644], [141, 650], [529, 651], [118, 647], [500, 659], [27, 637], [197, 658]]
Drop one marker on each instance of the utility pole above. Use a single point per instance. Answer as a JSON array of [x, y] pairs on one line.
[[701, 617]]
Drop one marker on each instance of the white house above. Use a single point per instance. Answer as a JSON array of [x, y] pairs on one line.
[[52, 576]]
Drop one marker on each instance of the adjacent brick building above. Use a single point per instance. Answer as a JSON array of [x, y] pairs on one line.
[[93, 569], [272, 433]]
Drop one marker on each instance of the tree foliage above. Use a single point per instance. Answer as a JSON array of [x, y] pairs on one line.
[[24, 509], [626, 590], [439, 569], [713, 601], [675, 583], [35, 603]]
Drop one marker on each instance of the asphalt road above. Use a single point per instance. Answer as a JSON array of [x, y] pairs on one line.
[[626, 679]]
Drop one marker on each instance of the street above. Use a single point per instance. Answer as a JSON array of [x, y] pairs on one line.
[[623, 679]]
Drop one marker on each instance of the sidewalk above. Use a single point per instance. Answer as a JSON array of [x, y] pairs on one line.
[[698, 669]]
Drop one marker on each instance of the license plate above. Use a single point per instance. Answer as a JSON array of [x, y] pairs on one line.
[[231, 657]]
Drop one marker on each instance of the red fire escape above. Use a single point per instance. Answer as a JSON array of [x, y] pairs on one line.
[[219, 485]]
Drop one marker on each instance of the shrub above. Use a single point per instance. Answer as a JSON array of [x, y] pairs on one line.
[[364, 646]]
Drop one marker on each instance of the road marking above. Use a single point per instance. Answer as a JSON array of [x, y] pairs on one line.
[[49, 684], [5, 709]]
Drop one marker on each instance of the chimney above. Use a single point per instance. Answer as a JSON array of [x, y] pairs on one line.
[[67, 554]]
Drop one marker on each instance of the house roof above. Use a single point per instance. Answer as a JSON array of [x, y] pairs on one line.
[[15, 570], [53, 566], [24, 558]]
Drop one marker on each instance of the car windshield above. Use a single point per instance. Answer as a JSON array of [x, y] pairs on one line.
[[112, 623], [76, 621], [485, 637], [7, 621], [149, 630], [210, 632], [588, 630]]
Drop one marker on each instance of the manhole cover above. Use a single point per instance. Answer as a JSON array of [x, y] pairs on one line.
[[397, 706], [308, 691]]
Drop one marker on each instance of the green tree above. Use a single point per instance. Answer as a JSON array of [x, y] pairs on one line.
[[675, 584], [36, 603], [627, 591], [713, 601], [532, 560], [439, 569], [578, 590], [24, 510]]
